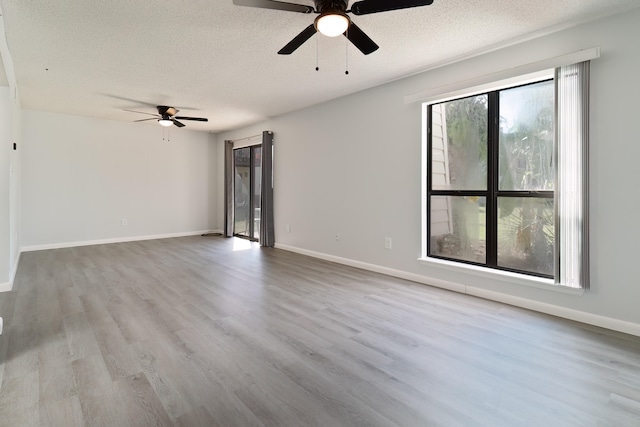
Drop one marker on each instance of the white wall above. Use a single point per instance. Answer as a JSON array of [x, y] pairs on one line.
[[353, 166], [82, 176], [5, 153], [10, 168], [15, 182]]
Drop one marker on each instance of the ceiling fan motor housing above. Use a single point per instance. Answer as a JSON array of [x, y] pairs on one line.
[[324, 6], [165, 110]]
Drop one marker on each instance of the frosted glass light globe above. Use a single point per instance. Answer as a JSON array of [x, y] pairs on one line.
[[332, 25]]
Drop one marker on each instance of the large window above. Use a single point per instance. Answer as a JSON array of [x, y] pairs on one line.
[[496, 177]]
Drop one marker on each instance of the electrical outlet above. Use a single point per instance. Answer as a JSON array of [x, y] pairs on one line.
[[337, 236], [124, 222], [387, 242], [288, 228]]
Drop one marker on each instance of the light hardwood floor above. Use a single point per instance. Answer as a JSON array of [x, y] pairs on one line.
[[189, 332]]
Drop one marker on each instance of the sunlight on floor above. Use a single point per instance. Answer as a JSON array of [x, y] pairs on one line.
[[242, 244]]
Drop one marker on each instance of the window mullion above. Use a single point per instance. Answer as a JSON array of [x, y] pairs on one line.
[[493, 129]]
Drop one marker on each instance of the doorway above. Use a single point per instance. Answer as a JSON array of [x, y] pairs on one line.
[[247, 164]]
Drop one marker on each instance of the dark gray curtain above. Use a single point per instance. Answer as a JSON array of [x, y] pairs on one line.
[[267, 232], [228, 188]]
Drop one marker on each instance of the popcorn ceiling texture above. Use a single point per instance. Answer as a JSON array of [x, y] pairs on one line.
[[213, 59]]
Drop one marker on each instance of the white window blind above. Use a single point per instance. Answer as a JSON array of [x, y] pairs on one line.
[[572, 197]]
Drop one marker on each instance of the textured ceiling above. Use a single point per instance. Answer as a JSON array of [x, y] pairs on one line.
[[213, 59]]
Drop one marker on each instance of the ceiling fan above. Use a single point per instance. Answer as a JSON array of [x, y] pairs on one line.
[[333, 19], [167, 116]]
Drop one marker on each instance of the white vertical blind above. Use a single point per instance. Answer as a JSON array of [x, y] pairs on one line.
[[572, 144]]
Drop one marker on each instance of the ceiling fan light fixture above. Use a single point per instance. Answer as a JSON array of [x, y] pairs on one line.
[[332, 23], [165, 122]]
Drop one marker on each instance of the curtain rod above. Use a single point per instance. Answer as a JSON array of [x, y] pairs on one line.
[[245, 139]]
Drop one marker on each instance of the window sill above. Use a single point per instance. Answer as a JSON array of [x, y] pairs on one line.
[[504, 276]]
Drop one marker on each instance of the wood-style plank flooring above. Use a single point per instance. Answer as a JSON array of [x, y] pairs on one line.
[[195, 331]]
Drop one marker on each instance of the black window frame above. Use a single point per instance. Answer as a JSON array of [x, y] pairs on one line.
[[492, 192]]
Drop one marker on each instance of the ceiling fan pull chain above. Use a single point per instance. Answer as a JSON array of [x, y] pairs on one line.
[[346, 53], [317, 54]]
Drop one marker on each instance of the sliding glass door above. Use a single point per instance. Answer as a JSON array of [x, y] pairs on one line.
[[247, 162]]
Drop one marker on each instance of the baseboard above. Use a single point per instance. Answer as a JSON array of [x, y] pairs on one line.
[[113, 240], [7, 287], [14, 270], [554, 310], [372, 267]]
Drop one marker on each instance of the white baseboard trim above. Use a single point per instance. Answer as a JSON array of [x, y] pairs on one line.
[[113, 240], [372, 267], [7, 287], [14, 271], [554, 310]]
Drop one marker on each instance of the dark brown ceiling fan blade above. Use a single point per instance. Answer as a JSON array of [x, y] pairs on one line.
[[298, 40], [140, 112], [167, 113], [365, 7], [129, 100], [196, 119], [276, 5], [360, 39]]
